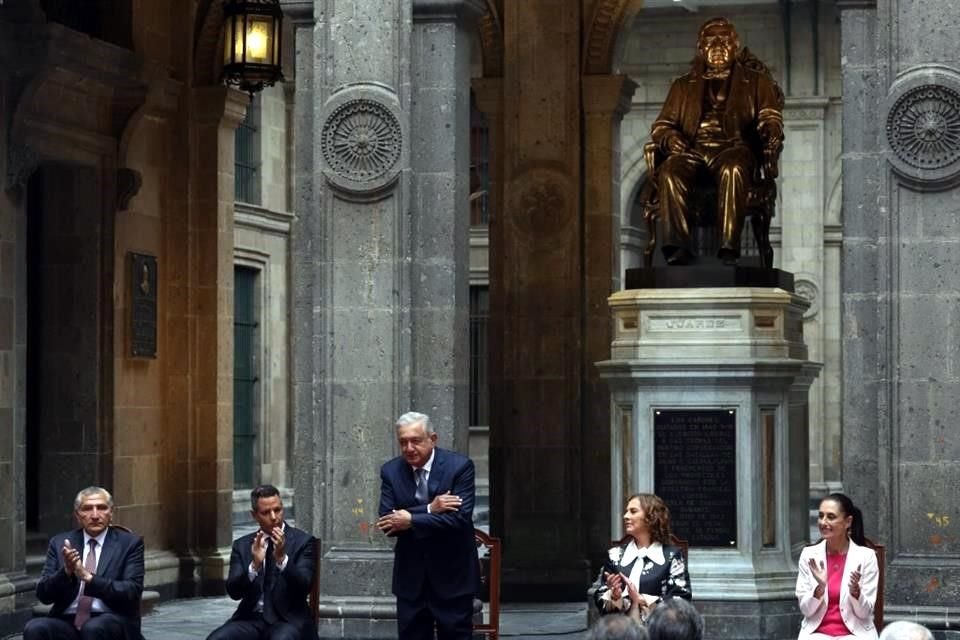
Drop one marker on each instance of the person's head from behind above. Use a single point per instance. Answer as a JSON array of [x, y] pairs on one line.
[[903, 630], [617, 626], [675, 619]]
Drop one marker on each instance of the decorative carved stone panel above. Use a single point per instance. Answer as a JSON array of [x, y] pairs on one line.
[[22, 161], [805, 287], [540, 208], [362, 140], [923, 127]]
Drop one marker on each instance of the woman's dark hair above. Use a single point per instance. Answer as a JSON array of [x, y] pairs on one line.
[[655, 514], [850, 509]]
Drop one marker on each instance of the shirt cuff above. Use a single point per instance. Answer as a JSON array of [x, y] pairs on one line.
[[283, 563], [251, 572], [428, 508]]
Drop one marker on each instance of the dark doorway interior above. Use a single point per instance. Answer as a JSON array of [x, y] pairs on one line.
[[63, 370]]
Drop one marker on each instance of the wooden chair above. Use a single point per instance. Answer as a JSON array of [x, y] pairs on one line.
[[314, 599], [490, 579], [881, 552], [683, 544]]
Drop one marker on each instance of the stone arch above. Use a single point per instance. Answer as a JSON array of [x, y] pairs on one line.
[[206, 42], [604, 39], [490, 28]]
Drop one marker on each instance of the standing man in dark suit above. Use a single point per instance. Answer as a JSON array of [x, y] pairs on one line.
[[426, 501], [270, 574], [93, 577]]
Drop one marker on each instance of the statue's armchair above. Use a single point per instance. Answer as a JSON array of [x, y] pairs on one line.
[[761, 206]]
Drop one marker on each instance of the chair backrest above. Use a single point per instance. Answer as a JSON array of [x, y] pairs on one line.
[[491, 581], [314, 599], [881, 552], [121, 527], [683, 544]]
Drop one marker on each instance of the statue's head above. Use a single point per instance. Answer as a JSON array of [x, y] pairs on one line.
[[718, 43]]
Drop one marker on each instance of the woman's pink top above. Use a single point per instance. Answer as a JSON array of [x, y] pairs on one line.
[[832, 624]]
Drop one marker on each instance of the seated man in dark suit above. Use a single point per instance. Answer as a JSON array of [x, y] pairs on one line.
[[93, 576], [426, 501], [270, 574]]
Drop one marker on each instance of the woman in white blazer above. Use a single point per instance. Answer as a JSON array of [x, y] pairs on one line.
[[837, 580]]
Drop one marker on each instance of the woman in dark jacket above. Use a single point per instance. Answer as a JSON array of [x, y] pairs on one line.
[[644, 568]]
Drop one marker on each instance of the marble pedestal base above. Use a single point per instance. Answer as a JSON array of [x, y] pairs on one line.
[[739, 351]]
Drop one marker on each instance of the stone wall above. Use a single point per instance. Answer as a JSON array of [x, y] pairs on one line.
[[901, 298]]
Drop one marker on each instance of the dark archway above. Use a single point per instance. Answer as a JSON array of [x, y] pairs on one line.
[[65, 445], [107, 20]]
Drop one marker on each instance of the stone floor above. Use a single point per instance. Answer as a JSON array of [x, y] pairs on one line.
[[193, 619]]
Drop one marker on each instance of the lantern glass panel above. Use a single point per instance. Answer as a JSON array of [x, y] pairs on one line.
[[259, 41]]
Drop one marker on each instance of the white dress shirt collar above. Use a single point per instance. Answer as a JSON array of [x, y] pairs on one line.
[[426, 467], [100, 538], [654, 552]]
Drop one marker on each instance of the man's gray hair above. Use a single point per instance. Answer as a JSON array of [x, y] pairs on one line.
[[92, 491], [412, 417], [616, 626], [904, 630]]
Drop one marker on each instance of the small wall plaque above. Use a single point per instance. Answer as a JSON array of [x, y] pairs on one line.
[[143, 305]]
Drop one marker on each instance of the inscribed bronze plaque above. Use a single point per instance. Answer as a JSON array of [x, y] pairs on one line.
[[143, 306], [695, 473]]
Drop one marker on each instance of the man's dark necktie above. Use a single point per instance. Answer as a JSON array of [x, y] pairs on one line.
[[269, 577], [85, 601], [421, 493]]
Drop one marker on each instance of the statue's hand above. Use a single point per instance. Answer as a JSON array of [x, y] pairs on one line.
[[772, 132], [771, 167], [675, 144]]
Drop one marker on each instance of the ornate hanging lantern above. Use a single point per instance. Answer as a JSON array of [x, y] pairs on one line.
[[251, 43]]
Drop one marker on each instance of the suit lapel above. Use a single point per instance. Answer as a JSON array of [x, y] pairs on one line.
[[109, 553], [76, 541], [436, 473]]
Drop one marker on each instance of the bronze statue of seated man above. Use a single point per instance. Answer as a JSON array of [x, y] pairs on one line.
[[721, 125]]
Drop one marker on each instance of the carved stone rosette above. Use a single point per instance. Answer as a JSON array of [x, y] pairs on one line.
[[541, 203], [362, 141], [22, 161], [923, 127], [805, 287]]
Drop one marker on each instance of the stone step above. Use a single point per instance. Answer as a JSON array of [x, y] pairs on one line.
[[148, 600]]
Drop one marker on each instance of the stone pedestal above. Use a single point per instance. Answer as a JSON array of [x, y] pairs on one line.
[[737, 352]]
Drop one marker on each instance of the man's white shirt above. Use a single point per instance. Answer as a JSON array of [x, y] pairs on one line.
[[97, 606]]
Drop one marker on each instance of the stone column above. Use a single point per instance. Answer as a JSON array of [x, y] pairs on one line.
[[605, 101], [379, 270], [16, 163], [538, 371], [351, 328], [200, 330], [439, 192], [901, 294]]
